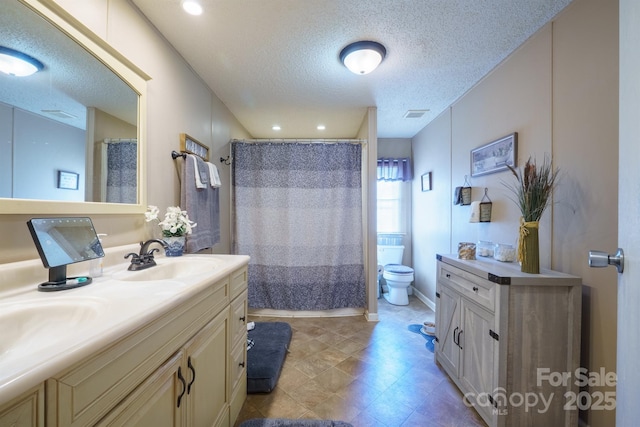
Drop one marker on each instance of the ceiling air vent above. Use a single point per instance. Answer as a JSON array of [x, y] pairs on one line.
[[414, 114]]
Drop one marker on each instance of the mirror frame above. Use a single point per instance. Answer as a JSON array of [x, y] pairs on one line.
[[131, 75]]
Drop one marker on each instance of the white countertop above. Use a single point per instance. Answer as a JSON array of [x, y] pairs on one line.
[[508, 273], [83, 320]]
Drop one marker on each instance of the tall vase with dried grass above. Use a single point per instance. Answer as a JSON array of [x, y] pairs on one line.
[[532, 190]]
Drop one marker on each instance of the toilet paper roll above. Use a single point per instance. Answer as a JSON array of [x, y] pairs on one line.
[[475, 212]]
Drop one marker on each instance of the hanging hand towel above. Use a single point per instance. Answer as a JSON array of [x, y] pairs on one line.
[[457, 196], [475, 212], [200, 170], [214, 176], [203, 206]]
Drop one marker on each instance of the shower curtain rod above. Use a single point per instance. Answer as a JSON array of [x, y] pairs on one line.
[[303, 141]]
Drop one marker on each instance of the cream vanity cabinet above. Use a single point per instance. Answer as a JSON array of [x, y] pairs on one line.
[[26, 410], [500, 332], [174, 371]]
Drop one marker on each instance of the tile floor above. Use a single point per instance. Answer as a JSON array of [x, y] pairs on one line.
[[367, 373]]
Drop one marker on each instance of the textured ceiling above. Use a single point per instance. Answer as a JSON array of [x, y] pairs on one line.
[[72, 79], [276, 61]]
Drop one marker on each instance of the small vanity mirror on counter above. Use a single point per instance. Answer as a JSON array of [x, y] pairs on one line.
[[64, 241]]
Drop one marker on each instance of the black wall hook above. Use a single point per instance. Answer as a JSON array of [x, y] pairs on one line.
[[225, 161]]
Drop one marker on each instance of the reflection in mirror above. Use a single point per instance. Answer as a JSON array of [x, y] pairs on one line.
[[74, 115]]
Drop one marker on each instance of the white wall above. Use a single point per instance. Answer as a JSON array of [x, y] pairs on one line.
[[51, 145], [432, 209], [6, 150], [559, 91]]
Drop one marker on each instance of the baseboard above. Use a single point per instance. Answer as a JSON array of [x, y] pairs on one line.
[[422, 297], [337, 312]]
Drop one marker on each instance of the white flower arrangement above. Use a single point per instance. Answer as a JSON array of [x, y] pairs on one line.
[[176, 222]]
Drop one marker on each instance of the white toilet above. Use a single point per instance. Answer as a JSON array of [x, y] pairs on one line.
[[398, 276]]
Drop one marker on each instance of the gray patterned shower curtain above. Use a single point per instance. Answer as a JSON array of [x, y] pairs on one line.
[[297, 211], [122, 170]]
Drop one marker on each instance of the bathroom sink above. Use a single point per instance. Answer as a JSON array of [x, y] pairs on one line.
[[30, 326], [172, 269]]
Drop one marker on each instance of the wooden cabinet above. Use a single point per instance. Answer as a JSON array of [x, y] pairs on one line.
[[153, 403], [25, 411], [497, 329], [205, 362], [175, 371]]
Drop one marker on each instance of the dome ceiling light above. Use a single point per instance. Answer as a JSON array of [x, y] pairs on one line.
[[192, 7], [363, 57], [16, 63]]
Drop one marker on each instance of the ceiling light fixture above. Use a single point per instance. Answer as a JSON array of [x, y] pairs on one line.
[[321, 127], [192, 7], [363, 57], [18, 64], [275, 127]]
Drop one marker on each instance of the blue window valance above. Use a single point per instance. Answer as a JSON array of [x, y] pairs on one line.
[[394, 169]]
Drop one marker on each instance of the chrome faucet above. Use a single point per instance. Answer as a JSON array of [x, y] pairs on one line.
[[144, 259]]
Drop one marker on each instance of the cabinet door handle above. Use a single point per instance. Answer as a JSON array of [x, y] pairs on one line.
[[241, 364], [242, 318], [460, 333], [448, 276], [193, 374], [184, 385], [454, 336], [475, 289]]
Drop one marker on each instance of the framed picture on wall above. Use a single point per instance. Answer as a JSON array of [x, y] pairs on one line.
[[495, 156], [68, 180], [426, 182], [190, 145]]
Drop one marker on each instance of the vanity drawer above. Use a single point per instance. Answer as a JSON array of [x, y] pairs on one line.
[[238, 364], [239, 280], [238, 379], [238, 318], [471, 286]]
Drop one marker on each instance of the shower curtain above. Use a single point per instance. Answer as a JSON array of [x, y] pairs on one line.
[[297, 212], [121, 170]]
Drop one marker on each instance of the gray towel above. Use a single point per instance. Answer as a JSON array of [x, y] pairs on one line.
[[203, 207]]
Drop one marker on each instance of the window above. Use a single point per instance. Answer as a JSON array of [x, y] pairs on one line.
[[392, 213]]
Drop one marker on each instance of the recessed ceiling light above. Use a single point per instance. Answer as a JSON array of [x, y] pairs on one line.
[[321, 127], [275, 127], [192, 7], [16, 63]]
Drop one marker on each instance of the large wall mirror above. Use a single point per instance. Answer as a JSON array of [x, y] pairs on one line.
[[73, 136]]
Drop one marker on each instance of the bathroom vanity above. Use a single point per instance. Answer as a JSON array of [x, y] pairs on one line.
[[160, 347], [503, 337]]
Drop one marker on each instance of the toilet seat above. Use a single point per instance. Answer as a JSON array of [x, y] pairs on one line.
[[398, 269]]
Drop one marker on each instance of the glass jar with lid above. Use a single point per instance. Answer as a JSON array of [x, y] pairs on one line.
[[466, 250], [485, 248], [504, 253]]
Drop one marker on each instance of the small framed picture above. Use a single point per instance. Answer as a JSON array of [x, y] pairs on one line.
[[426, 182], [68, 180]]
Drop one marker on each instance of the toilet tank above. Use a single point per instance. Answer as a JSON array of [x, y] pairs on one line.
[[390, 254]]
